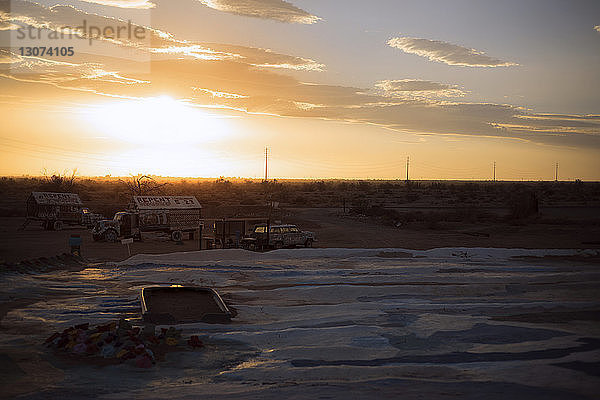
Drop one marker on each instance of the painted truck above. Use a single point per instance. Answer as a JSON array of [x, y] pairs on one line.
[[174, 215], [54, 210]]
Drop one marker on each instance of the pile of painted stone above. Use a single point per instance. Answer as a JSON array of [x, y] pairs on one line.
[[119, 342]]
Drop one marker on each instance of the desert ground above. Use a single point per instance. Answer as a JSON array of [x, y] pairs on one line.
[[413, 291], [563, 228], [343, 214]]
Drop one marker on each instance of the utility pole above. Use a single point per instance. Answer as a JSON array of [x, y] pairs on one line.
[[556, 172], [407, 165], [266, 161], [494, 171], [269, 198]]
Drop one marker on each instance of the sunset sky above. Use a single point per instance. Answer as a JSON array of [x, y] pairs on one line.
[[334, 88]]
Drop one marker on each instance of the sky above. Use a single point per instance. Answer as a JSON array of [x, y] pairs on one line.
[[334, 89]]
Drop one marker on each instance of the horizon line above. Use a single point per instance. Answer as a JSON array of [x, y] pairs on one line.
[[260, 180]]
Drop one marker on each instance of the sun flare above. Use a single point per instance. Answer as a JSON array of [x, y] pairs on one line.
[[156, 120]]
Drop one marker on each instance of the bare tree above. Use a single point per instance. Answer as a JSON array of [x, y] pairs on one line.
[[60, 182], [142, 185]]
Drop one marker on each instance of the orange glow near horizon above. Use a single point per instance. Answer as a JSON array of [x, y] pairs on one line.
[[168, 137], [165, 136]]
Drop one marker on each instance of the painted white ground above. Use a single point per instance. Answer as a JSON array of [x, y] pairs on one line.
[[338, 323]]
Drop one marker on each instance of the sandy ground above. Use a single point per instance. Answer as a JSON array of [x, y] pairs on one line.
[[332, 230], [327, 323], [336, 230]]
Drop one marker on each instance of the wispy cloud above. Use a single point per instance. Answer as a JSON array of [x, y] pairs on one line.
[[138, 4], [7, 26], [583, 130], [259, 57], [63, 74], [445, 52], [8, 57], [224, 95], [417, 88], [278, 10], [58, 17], [65, 19]]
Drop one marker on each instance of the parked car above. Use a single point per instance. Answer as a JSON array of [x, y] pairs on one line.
[[277, 237]]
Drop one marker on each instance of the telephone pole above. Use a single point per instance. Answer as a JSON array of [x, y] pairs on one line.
[[556, 172], [494, 171], [407, 165], [266, 163]]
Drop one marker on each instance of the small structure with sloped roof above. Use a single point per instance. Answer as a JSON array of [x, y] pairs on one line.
[[54, 209]]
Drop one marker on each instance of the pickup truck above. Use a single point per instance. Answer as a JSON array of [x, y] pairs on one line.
[[277, 237]]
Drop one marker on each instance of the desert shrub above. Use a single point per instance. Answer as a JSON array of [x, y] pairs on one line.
[[433, 223], [412, 197], [408, 217], [299, 200], [523, 203], [382, 215], [12, 212], [359, 205], [248, 201]]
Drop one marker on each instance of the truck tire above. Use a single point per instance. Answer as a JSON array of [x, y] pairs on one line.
[[176, 236], [308, 243], [111, 235], [57, 226]]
